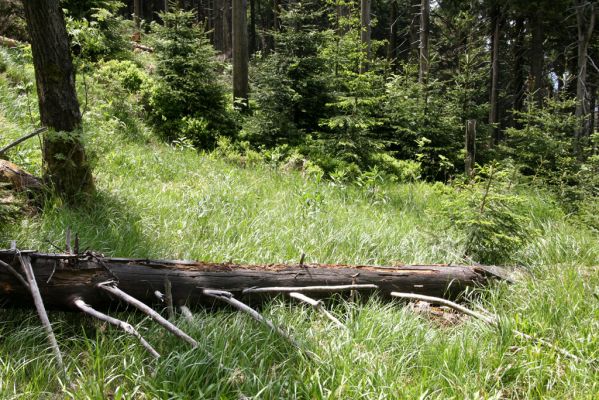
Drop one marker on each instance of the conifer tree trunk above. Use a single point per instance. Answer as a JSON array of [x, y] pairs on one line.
[[253, 44], [537, 55], [392, 50], [365, 32], [585, 18], [137, 13], [65, 164], [493, 98], [424, 37], [240, 52], [517, 84]]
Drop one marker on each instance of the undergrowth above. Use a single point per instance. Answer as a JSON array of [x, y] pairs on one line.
[[169, 201]]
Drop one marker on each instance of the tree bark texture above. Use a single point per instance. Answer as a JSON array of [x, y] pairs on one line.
[[494, 95], [365, 32], [65, 163], [240, 52], [537, 55], [424, 41], [62, 278], [585, 18]]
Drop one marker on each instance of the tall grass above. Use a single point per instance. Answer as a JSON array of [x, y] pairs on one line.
[[160, 201]]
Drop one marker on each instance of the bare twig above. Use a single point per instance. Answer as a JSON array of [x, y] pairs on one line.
[[288, 289], [15, 273], [115, 291], [490, 319], [81, 305], [451, 304], [22, 139], [317, 304], [39, 305], [186, 313], [228, 298]]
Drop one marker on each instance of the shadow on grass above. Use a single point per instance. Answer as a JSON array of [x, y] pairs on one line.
[[108, 224]]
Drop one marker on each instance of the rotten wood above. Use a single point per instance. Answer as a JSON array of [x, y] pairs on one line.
[[8, 42], [18, 179], [77, 276]]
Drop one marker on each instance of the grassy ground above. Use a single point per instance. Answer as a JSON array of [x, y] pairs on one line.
[[160, 201]]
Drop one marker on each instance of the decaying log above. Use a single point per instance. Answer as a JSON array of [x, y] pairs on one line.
[[17, 178], [8, 42], [78, 276]]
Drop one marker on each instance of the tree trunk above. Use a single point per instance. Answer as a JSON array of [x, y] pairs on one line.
[[585, 18], [253, 42], [518, 81], [137, 13], [65, 163], [424, 37], [240, 53], [365, 32], [493, 97], [392, 49], [64, 277], [537, 55]]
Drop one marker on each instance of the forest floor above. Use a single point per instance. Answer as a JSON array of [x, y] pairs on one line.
[[161, 201]]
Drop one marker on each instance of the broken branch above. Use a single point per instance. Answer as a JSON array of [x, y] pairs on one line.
[[108, 287], [87, 309], [332, 288], [39, 305], [317, 304]]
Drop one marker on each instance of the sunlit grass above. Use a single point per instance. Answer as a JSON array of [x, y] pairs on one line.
[[157, 201]]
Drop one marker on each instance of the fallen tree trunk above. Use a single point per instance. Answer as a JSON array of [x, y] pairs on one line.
[[62, 278]]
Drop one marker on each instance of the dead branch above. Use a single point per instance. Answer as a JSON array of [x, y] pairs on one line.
[[81, 305], [39, 305], [186, 313], [332, 288], [491, 319], [228, 298], [22, 139], [115, 291], [317, 304], [451, 304], [15, 274]]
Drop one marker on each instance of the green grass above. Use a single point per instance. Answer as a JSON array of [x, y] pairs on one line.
[[158, 201]]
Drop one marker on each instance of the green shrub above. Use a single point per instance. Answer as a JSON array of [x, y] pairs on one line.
[[98, 32], [189, 99], [291, 86], [493, 219], [126, 73]]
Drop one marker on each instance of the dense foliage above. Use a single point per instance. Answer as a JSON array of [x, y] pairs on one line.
[[188, 100]]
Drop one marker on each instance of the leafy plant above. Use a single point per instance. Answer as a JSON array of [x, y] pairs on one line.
[[189, 99], [97, 32], [492, 218]]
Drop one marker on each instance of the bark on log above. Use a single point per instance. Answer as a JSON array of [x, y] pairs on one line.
[[77, 276], [17, 178]]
